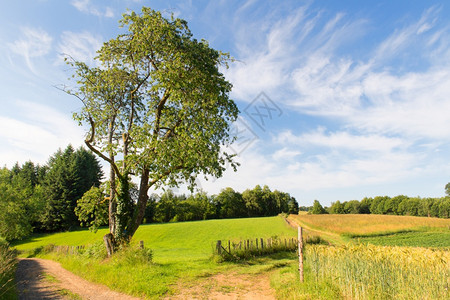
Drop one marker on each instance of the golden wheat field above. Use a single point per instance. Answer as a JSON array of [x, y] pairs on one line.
[[368, 224], [381, 272]]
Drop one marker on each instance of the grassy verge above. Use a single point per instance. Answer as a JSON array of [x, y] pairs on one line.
[[8, 264]]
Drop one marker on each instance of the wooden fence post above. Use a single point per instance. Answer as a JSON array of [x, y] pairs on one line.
[[300, 252], [141, 244], [229, 246], [219, 247], [262, 244]]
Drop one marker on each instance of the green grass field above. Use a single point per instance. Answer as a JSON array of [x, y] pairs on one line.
[[430, 238], [184, 240]]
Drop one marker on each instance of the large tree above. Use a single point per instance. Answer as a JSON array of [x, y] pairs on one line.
[[157, 107]]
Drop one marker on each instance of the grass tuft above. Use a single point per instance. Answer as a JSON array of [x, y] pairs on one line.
[[8, 264]]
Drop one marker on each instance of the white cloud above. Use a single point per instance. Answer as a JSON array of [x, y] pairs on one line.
[[86, 6], [308, 176], [263, 69], [342, 140], [38, 133], [285, 154], [272, 53], [80, 46], [296, 60], [34, 42], [415, 104]]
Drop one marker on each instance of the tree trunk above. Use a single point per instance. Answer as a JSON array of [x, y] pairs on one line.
[[124, 211], [112, 201], [139, 210], [112, 181]]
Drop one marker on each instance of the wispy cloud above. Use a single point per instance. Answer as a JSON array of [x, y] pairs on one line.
[[34, 42], [272, 53], [342, 140], [389, 107], [80, 46], [86, 6], [34, 135]]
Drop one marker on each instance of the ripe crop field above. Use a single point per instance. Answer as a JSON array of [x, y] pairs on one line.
[[367, 262], [369, 224], [368, 272]]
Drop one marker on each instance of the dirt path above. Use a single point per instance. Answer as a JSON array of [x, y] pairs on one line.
[[34, 283], [332, 237], [229, 287]]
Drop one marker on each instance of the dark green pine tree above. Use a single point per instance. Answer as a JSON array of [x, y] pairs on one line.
[[88, 172], [71, 173]]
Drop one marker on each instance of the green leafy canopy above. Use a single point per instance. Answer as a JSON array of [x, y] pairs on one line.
[[162, 93]]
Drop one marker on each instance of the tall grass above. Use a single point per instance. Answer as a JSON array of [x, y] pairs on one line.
[[374, 272], [7, 268]]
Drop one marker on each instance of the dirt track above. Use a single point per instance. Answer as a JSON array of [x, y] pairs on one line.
[[32, 283]]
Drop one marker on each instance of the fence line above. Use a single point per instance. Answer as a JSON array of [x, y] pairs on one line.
[[68, 249], [254, 246]]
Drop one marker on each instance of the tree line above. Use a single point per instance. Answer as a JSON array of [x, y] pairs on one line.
[[35, 198], [384, 205], [67, 192], [169, 207], [256, 202]]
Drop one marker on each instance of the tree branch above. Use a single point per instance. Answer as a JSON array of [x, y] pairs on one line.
[[96, 151]]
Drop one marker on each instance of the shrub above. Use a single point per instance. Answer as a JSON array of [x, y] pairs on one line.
[[132, 255], [96, 250]]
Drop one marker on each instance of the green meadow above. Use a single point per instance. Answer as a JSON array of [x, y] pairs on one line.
[[421, 238], [183, 240]]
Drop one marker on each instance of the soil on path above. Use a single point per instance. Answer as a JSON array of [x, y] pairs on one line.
[[32, 283], [229, 286]]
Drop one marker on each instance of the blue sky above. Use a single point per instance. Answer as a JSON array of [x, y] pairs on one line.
[[339, 99]]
